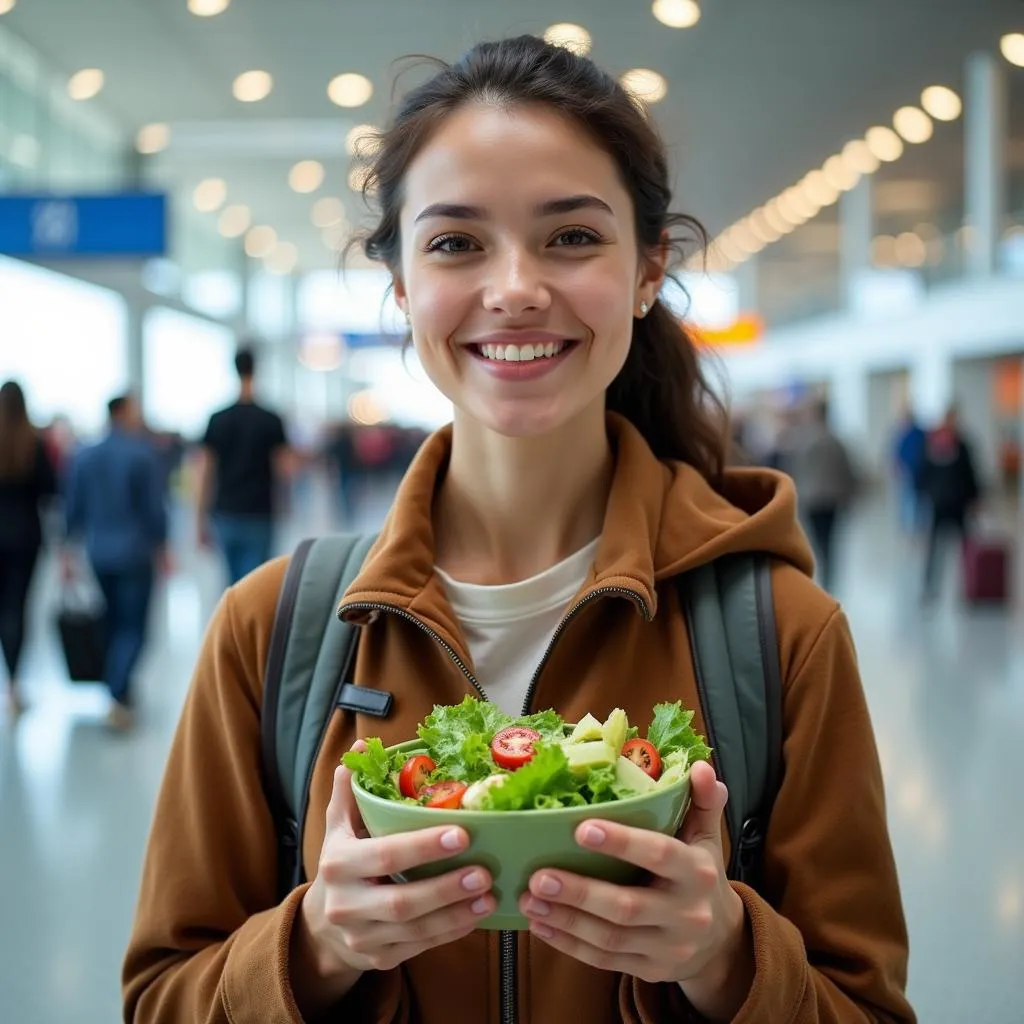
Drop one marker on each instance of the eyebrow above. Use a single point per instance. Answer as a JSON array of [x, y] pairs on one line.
[[567, 204]]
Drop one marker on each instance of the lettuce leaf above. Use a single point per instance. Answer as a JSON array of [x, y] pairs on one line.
[[549, 724], [373, 767], [543, 782], [671, 731], [459, 738]]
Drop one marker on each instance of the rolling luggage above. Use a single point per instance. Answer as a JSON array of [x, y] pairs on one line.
[[986, 570]]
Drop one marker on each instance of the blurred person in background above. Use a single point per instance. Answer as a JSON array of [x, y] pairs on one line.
[[243, 454], [27, 479], [115, 505], [825, 482], [908, 460], [949, 482], [533, 554]]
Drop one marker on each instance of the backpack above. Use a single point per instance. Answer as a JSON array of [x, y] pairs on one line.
[[730, 619]]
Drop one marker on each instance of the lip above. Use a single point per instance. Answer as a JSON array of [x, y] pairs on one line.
[[534, 369]]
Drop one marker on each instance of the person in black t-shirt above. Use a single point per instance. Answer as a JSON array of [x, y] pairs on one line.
[[244, 449]]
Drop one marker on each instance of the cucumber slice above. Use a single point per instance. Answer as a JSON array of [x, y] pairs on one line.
[[588, 728], [584, 756], [614, 730], [632, 776]]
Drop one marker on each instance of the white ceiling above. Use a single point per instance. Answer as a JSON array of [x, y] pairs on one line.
[[760, 91]]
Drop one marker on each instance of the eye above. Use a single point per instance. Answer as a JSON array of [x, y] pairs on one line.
[[574, 237], [452, 244]]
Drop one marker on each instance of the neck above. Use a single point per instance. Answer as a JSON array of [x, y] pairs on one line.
[[509, 508], [246, 392]]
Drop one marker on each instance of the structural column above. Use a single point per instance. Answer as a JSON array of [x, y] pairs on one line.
[[856, 232]]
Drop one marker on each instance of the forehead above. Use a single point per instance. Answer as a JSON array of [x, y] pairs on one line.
[[499, 155]]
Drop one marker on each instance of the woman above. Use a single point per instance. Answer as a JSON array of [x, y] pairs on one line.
[[525, 220], [26, 479]]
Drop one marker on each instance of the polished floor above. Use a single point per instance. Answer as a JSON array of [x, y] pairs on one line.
[[946, 689]]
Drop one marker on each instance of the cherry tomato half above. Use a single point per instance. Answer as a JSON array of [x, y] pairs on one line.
[[414, 774], [513, 747], [644, 754], [447, 794]]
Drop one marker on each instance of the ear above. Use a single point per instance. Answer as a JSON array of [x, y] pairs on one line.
[[401, 295], [652, 271]]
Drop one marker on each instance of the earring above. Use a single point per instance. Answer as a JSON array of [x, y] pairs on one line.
[[408, 317], [644, 308]]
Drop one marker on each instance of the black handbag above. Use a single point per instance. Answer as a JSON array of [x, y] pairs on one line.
[[83, 637]]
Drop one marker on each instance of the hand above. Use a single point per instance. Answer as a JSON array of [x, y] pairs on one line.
[[353, 920], [204, 536], [67, 566], [688, 926]]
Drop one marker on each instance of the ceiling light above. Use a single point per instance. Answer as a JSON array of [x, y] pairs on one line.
[[234, 221], [282, 259], [207, 8], [644, 84], [790, 209], [209, 195], [334, 237], [350, 90], [883, 251], [818, 189], [676, 13], [85, 84], [327, 212], [942, 103], [776, 217], [306, 176], [839, 174], [910, 250], [363, 140], [260, 241], [884, 143], [152, 138], [7, 5], [728, 247], [794, 199], [858, 157], [574, 38], [741, 235], [1012, 47], [913, 124], [758, 223], [252, 86], [358, 178]]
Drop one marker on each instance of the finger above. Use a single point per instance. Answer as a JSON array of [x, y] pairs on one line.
[[598, 932], [409, 901], [620, 905], [342, 811], [392, 956], [708, 798], [623, 963], [396, 854], [664, 856], [427, 929]]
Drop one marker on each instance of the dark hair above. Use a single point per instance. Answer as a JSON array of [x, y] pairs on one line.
[[245, 363], [117, 405], [18, 439], [661, 388]]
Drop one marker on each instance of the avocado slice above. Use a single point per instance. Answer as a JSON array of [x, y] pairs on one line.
[[632, 776], [588, 728], [614, 730], [592, 754], [671, 775]]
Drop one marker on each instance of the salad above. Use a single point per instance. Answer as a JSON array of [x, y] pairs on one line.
[[476, 757]]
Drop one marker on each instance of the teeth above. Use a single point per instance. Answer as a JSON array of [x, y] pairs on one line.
[[521, 353]]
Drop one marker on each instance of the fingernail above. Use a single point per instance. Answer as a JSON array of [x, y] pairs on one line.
[[541, 930], [549, 886], [593, 836], [540, 908], [473, 881], [481, 906], [452, 839]]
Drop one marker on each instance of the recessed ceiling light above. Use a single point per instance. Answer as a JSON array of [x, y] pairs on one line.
[[677, 13], [260, 241], [762, 228], [839, 173], [209, 195], [858, 157], [818, 188], [85, 84], [306, 176], [574, 38], [942, 103], [358, 177], [252, 86], [913, 124], [363, 140], [775, 214], [646, 85], [884, 143], [1012, 47], [883, 250], [153, 138], [794, 201], [282, 259], [350, 90], [207, 8], [7, 5], [910, 249], [234, 221], [327, 212]]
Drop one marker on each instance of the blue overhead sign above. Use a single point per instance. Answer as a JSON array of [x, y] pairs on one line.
[[130, 225]]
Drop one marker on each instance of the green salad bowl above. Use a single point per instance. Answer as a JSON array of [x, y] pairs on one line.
[[513, 845]]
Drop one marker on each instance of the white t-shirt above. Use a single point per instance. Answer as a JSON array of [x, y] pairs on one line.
[[509, 627]]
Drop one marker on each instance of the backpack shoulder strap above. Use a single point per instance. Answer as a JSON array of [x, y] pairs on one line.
[[308, 661], [730, 616]]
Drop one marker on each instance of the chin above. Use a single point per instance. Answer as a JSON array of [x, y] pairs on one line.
[[520, 419]]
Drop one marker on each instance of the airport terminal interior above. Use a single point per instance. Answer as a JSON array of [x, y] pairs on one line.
[[178, 184]]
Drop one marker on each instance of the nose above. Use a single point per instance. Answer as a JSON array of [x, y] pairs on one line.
[[516, 284]]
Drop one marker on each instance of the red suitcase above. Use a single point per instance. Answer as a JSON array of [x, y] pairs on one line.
[[986, 570]]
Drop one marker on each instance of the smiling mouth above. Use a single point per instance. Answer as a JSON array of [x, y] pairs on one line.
[[521, 353]]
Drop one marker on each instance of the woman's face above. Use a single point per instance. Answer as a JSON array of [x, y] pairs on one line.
[[520, 268]]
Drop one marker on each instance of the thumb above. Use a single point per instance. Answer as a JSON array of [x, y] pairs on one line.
[[708, 798], [343, 811]]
